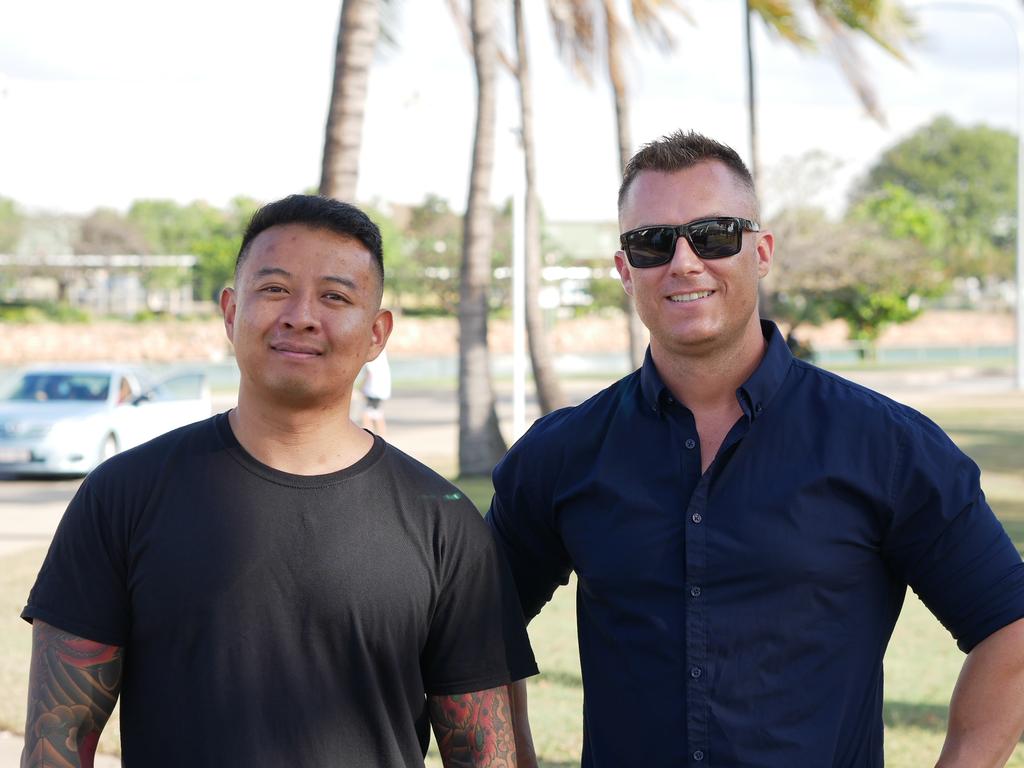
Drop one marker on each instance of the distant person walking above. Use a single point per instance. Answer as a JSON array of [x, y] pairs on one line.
[[376, 389]]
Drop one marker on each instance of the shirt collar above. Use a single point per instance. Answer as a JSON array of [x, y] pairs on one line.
[[764, 382], [651, 385], [753, 395]]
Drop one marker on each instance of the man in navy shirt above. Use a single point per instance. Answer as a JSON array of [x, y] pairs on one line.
[[744, 525]]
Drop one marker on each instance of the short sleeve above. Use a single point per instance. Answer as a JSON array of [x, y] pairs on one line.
[[522, 519], [477, 638], [946, 542], [82, 585]]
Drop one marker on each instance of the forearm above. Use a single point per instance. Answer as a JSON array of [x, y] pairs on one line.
[[73, 686], [474, 730], [986, 713], [525, 752]]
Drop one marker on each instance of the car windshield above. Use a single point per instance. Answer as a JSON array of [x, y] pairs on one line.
[[47, 386]]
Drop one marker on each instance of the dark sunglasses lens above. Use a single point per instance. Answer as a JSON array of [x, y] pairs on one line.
[[717, 238], [651, 247]]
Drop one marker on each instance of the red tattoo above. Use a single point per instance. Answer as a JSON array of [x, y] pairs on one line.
[[73, 687], [474, 730]]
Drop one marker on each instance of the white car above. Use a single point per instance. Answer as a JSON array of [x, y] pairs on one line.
[[64, 420]]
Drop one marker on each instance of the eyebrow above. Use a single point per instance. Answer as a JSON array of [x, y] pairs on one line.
[[345, 281]]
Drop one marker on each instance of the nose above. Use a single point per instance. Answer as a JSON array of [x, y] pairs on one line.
[[684, 260], [300, 312]]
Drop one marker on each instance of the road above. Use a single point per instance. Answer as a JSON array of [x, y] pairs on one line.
[[422, 422]]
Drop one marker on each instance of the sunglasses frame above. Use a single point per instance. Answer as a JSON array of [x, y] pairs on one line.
[[683, 230]]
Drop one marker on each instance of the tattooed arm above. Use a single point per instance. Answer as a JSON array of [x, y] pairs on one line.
[[474, 730], [73, 685]]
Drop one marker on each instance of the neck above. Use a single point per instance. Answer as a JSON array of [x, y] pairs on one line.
[[301, 440], [707, 379]]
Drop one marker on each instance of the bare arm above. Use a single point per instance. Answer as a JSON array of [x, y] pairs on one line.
[[73, 685], [525, 751], [986, 713], [474, 730]]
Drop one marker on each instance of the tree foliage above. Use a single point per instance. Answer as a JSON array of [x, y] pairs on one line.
[[10, 225], [967, 175], [869, 268], [212, 234], [107, 232], [426, 264]]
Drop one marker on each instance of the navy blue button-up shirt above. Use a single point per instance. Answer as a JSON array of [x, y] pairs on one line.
[[739, 617]]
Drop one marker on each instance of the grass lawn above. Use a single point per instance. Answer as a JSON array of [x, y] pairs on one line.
[[921, 665]]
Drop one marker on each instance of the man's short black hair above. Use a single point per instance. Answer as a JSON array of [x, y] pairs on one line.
[[679, 151], [316, 212]]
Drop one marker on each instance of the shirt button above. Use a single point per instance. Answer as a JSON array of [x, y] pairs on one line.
[[696, 517], [695, 591], [698, 755], [690, 443], [758, 408], [695, 672]]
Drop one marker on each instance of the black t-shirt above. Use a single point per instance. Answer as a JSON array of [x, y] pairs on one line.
[[277, 619]]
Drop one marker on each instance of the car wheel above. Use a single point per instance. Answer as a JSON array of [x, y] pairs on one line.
[[109, 448]]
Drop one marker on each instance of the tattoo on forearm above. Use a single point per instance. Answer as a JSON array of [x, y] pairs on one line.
[[474, 730], [73, 686]]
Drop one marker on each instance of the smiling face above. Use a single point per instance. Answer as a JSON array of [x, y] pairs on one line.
[[304, 316], [695, 306]]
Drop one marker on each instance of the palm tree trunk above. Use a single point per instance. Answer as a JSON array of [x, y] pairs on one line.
[[358, 30], [480, 441], [549, 391], [616, 75]]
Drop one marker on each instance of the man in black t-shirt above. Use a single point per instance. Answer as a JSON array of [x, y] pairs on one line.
[[276, 586]]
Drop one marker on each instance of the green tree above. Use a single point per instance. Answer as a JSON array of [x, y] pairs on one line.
[[901, 215], [107, 232], [433, 245], [968, 176], [396, 259], [211, 234], [10, 225], [870, 269]]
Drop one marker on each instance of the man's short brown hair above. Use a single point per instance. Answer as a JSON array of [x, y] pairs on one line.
[[681, 150]]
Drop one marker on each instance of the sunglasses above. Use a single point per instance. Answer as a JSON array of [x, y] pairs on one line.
[[713, 238]]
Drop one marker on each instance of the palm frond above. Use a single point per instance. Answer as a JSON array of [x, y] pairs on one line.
[[886, 22], [839, 38], [782, 20], [574, 25], [650, 19]]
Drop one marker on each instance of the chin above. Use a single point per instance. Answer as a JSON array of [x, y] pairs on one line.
[[295, 391]]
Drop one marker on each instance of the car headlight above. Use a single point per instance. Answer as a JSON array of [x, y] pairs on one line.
[[25, 429]]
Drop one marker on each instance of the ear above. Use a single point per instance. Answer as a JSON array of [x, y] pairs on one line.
[[379, 333], [625, 276], [765, 253], [227, 308]]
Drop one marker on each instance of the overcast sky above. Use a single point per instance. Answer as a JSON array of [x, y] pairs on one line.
[[112, 100]]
